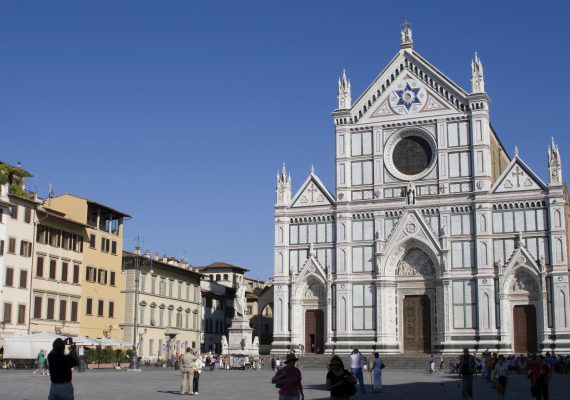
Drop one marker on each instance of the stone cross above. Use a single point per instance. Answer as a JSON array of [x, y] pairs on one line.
[[517, 174]]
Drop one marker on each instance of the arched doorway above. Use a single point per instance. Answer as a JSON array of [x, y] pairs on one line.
[[314, 331], [524, 297]]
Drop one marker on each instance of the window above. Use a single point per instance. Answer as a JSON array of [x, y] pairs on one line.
[[62, 310], [7, 313], [333, 303], [102, 277], [12, 245], [464, 304], [457, 134], [90, 274], [9, 282], [64, 269], [161, 317], [113, 247], [153, 284], [89, 307], [23, 279], [112, 278], [40, 267], [74, 308], [25, 248], [363, 307], [170, 318], [112, 309], [179, 290], [14, 212], [52, 268], [92, 239], [42, 234], [51, 309], [362, 259], [1, 247], [100, 308], [162, 288], [78, 243], [75, 273], [170, 285], [362, 173], [27, 215], [21, 314], [179, 320], [105, 244], [37, 307], [152, 312]]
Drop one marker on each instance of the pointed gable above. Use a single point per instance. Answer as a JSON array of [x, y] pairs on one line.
[[412, 225], [312, 193], [517, 177], [408, 85]]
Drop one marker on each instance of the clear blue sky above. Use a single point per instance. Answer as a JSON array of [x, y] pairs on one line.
[[180, 112]]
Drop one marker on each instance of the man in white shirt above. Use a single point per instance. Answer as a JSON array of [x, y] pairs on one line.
[[356, 368]]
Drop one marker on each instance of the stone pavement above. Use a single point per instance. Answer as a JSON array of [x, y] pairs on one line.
[[163, 384]]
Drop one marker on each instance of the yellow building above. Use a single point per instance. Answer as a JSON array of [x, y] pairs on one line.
[[101, 300]]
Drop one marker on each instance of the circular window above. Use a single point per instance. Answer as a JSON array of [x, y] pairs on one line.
[[412, 155]]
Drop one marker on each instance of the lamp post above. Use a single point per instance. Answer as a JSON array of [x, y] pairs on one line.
[[130, 262]]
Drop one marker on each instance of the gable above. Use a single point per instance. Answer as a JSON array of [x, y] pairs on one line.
[[312, 193], [409, 85], [412, 226], [517, 177]]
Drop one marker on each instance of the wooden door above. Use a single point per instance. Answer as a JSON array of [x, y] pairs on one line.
[[314, 331], [524, 329], [417, 337]]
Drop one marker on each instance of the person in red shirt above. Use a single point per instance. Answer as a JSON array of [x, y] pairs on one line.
[[288, 380], [539, 375]]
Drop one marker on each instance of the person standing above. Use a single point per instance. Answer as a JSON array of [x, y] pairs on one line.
[[60, 365], [501, 374], [377, 373], [340, 382], [197, 370], [288, 380], [431, 363], [187, 368], [356, 368], [466, 369]]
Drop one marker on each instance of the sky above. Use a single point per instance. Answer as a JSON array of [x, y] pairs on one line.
[[179, 113]]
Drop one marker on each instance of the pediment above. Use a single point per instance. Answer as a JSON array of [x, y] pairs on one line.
[[408, 86], [312, 193], [412, 226], [312, 267], [517, 177], [521, 257]]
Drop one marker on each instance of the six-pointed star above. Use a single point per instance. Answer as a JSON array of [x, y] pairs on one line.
[[407, 97]]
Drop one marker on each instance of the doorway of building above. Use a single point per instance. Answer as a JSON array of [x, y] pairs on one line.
[[524, 329], [314, 331], [417, 338]]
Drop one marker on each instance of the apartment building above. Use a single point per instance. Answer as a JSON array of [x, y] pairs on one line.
[[101, 300], [162, 305]]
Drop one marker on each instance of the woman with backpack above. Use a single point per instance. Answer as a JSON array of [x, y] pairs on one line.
[[340, 382]]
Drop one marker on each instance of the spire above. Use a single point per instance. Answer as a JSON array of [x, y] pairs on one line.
[[343, 95], [312, 169], [283, 187], [477, 79], [406, 33], [554, 165], [516, 151]]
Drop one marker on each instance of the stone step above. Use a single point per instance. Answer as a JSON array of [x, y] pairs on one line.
[[392, 361]]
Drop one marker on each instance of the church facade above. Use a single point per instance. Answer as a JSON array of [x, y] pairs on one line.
[[434, 240]]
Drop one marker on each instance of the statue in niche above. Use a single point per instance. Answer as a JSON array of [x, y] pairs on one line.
[[411, 191]]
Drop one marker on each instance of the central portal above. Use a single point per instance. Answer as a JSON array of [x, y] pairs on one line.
[[314, 331], [417, 330]]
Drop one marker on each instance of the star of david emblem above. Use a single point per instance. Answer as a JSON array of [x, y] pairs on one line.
[[407, 97]]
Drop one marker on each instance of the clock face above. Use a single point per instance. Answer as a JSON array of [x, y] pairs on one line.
[[410, 154]]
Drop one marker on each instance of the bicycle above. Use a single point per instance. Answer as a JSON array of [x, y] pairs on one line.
[[8, 365]]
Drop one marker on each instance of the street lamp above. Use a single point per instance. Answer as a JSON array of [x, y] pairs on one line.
[[129, 262]]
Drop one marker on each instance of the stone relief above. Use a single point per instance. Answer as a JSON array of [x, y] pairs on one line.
[[524, 283], [416, 262], [315, 290]]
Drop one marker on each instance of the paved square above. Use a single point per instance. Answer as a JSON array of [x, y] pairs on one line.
[[163, 384]]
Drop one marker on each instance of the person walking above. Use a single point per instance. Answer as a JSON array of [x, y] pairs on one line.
[[187, 369], [466, 369], [539, 374], [40, 363], [377, 373], [431, 363], [340, 382], [60, 365], [197, 368], [501, 375], [356, 368], [288, 380]]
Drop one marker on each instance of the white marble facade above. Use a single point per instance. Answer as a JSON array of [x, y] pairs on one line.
[[428, 206]]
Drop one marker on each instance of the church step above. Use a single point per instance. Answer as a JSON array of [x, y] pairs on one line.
[[392, 361]]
